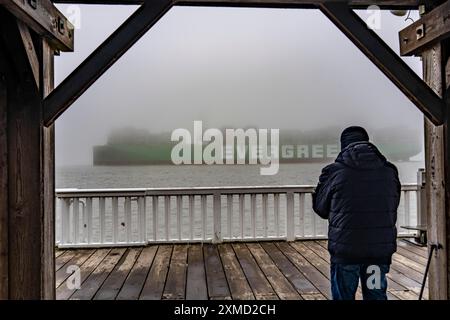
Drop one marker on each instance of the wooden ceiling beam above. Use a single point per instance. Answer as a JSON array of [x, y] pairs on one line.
[[385, 4], [45, 19], [103, 58], [386, 60], [430, 29]]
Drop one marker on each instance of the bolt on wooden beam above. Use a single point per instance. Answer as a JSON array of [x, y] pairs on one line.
[[45, 19], [430, 29]]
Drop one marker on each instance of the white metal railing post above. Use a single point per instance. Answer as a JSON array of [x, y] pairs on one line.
[[89, 219], [290, 222], [142, 219], [65, 220], [115, 218], [217, 212]]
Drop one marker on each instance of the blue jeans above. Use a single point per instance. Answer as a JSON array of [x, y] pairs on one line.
[[345, 278]]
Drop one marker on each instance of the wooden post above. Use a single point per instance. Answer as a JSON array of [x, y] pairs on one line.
[[27, 172], [3, 177], [435, 177], [446, 68], [48, 171]]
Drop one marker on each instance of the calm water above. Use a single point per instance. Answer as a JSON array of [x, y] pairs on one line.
[[195, 176]]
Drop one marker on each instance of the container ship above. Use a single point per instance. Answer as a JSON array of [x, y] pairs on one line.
[[130, 146]]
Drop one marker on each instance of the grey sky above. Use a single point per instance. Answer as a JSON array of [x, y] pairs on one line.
[[270, 68]]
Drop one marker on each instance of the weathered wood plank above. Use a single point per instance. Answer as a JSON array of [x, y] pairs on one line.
[[95, 280], [393, 284], [154, 285], [408, 262], [412, 256], [77, 260], [63, 292], [63, 259], [420, 251], [239, 287], [196, 288], [357, 4], [113, 283], [306, 268], [435, 25], [59, 252], [386, 4], [136, 279], [45, 20], [317, 261], [435, 178], [48, 163], [404, 295], [30, 51], [215, 275], [25, 193], [298, 280], [175, 288], [4, 212], [280, 284], [255, 277]]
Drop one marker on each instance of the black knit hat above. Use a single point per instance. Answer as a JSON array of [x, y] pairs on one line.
[[353, 134]]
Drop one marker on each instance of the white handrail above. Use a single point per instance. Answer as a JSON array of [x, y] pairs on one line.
[[118, 217]]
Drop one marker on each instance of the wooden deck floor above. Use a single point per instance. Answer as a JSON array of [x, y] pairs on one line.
[[262, 270]]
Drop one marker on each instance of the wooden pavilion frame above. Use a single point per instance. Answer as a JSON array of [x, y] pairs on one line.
[[31, 31]]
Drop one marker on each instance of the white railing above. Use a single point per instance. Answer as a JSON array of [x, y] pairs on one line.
[[124, 217]]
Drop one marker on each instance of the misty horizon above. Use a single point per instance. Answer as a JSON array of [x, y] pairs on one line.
[[287, 69]]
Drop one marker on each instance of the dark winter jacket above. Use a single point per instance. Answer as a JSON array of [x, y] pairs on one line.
[[359, 194]]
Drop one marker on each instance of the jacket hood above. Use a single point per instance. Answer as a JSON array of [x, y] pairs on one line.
[[361, 155]]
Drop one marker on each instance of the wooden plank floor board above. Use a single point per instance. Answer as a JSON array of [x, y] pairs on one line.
[[306, 268], [95, 280], [112, 285], [420, 251], [258, 282], [64, 292], [175, 286], [61, 260], [196, 288], [154, 284], [239, 286], [264, 270], [396, 281], [298, 280], [215, 274], [319, 259], [132, 287], [77, 260], [410, 255], [280, 284]]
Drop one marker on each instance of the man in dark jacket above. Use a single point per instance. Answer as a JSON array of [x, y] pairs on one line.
[[359, 194]]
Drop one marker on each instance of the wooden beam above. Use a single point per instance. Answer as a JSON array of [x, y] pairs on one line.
[[385, 4], [447, 159], [45, 19], [28, 261], [29, 47], [3, 176], [386, 60], [430, 29], [435, 178], [48, 289], [103, 57]]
